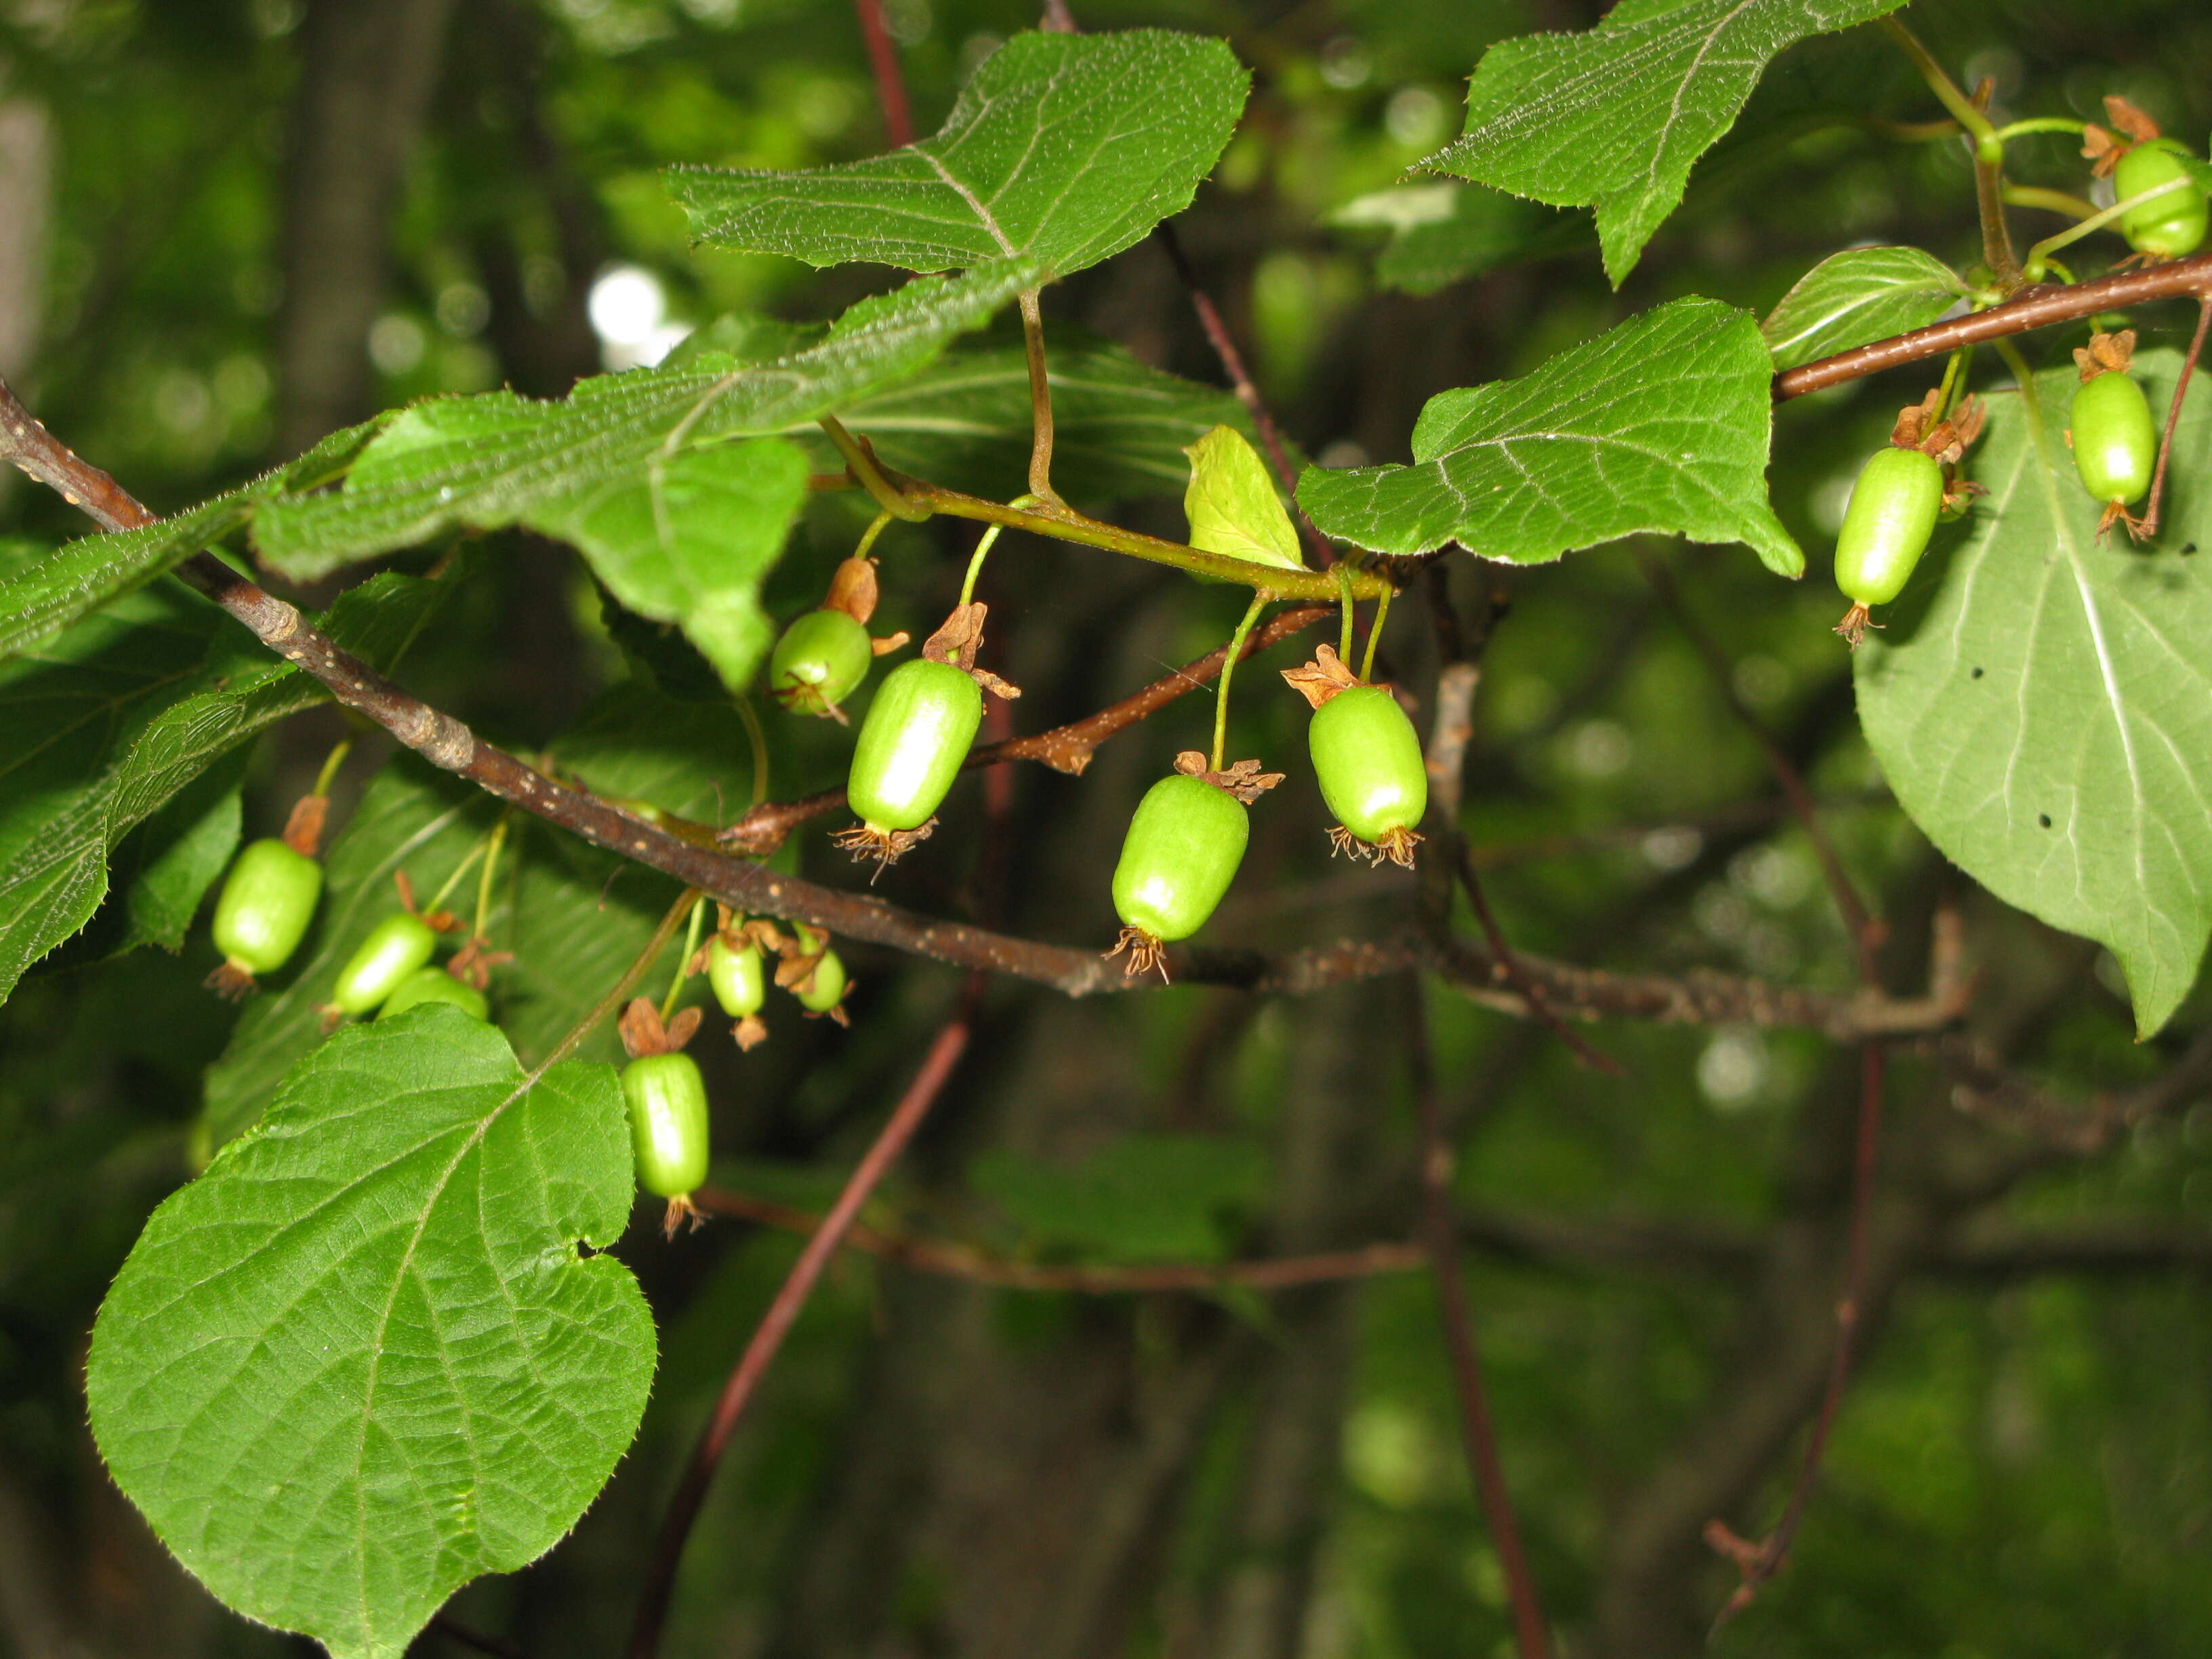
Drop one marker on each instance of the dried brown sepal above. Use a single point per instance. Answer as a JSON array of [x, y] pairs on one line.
[[303, 829], [2129, 119], [1242, 779], [1855, 621], [737, 934], [1947, 441], [2105, 354], [680, 1215], [795, 973], [1958, 492], [1322, 679], [836, 1010], [957, 642], [1396, 845], [750, 1032], [1148, 953], [332, 1014], [2102, 149], [233, 982], [2117, 513], [889, 643], [886, 847], [473, 963], [853, 590], [642, 1033]]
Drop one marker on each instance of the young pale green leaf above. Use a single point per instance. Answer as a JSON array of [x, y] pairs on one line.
[[1233, 506], [482, 462], [687, 539], [1065, 149], [1120, 428], [1861, 295], [1443, 233], [1660, 425], [39, 598], [1614, 118], [362, 1360], [121, 715], [2041, 700]]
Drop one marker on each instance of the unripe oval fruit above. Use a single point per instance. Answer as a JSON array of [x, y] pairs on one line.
[[435, 985], [267, 903], [1887, 525], [667, 1102], [918, 730], [1180, 855], [1368, 762], [2170, 225], [821, 658], [2115, 438], [394, 948], [827, 988], [735, 977]]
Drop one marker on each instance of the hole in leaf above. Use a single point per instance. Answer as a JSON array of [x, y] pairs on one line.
[[2043, 818], [1978, 673]]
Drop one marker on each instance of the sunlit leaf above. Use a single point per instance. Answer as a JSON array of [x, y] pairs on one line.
[[1232, 505], [1661, 425], [1861, 295], [362, 1360]]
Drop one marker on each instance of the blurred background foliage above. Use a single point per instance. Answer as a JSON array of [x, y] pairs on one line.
[[228, 225]]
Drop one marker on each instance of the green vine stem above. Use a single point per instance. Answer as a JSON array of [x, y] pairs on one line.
[[497, 840], [1228, 671], [1989, 154]]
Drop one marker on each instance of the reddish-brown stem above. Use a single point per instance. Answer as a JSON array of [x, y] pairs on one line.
[[2150, 525], [2040, 307], [1065, 748], [1864, 930], [1241, 382], [1440, 1240], [891, 86], [1509, 963], [1762, 1563], [767, 1337]]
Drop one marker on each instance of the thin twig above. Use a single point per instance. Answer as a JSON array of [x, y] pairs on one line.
[[1440, 1238], [2149, 524], [891, 86], [1540, 1005], [767, 1337]]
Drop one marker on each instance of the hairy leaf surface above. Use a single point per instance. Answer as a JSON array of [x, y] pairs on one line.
[[1064, 149], [2041, 701], [1660, 425], [1442, 233], [1615, 117], [1859, 295], [361, 1361]]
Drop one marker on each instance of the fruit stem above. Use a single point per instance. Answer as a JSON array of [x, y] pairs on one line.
[[1344, 602], [868, 536], [684, 957], [1040, 398], [2038, 255], [331, 761], [454, 880], [2052, 201], [2039, 124], [1955, 376], [975, 564], [1946, 89], [1374, 634], [1228, 669], [497, 840], [758, 739]]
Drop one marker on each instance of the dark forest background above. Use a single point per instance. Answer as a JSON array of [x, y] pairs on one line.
[[228, 227]]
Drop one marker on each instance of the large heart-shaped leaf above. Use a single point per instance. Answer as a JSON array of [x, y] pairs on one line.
[[1660, 425], [1614, 118], [2041, 701], [1064, 149], [362, 1360]]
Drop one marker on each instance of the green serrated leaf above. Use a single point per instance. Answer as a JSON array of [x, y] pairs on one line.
[[1861, 295], [1232, 505], [1614, 118], [184, 847], [41, 597], [482, 462], [1659, 426], [362, 1360], [1120, 428], [1065, 149], [120, 716], [688, 538], [1442, 234], [2041, 701]]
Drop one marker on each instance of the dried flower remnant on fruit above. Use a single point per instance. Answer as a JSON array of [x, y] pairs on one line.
[[1182, 850], [815, 974], [1900, 493], [2113, 434], [1366, 758]]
